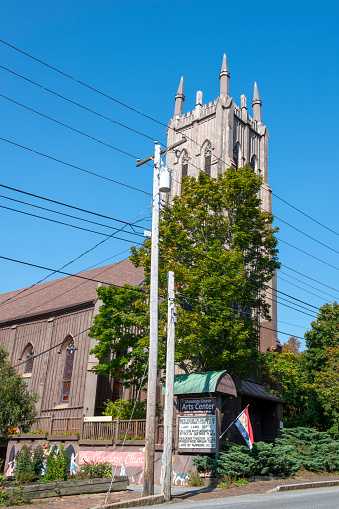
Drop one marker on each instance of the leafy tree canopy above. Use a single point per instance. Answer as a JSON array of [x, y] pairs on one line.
[[222, 249], [310, 379], [17, 404]]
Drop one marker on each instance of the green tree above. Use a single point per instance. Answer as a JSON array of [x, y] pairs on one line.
[[310, 379], [221, 246], [289, 370], [17, 404]]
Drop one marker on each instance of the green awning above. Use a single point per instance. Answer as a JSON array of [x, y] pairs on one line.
[[200, 383]]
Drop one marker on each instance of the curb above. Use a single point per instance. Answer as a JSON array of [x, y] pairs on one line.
[[304, 486], [135, 502]]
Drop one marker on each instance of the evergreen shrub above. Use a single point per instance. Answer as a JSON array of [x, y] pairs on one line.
[[298, 448]]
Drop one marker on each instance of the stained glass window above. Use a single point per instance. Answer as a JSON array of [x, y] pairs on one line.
[[29, 361], [66, 383]]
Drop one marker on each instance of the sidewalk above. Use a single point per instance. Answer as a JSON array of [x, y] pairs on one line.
[[179, 493]]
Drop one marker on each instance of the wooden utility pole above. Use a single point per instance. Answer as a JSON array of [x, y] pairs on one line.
[[153, 337], [153, 340], [169, 391]]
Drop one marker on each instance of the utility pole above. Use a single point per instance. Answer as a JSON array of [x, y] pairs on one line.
[[153, 340], [170, 365]]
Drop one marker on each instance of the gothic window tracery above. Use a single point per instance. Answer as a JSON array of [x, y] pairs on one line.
[[184, 164], [207, 152], [68, 371], [29, 359], [254, 163], [237, 155]]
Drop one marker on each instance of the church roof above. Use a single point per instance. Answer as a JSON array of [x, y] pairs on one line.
[[65, 292]]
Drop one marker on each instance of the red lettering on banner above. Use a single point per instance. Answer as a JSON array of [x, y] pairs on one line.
[[130, 459]]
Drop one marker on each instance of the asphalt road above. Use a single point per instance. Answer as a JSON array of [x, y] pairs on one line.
[[318, 498]]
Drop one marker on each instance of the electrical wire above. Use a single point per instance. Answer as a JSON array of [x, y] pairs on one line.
[[306, 235], [226, 307], [81, 332], [239, 273], [13, 299], [308, 254], [269, 297], [56, 212], [304, 213], [68, 224], [77, 104], [144, 115], [69, 206], [311, 286], [82, 83], [75, 167], [58, 271], [69, 127]]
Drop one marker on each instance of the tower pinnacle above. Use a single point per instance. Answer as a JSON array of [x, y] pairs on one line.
[[224, 76], [256, 104], [179, 98]]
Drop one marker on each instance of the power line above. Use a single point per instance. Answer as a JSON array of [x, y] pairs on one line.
[[68, 224], [271, 297], [69, 127], [308, 254], [84, 84], [306, 235], [304, 214], [56, 282], [77, 104], [309, 277], [15, 298], [311, 286], [75, 167], [69, 206], [301, 288], [226, 307], [81, 332], [58, 271], [144, 115], [56, 212], [239, 273]]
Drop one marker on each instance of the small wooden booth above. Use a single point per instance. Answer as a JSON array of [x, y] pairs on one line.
[[200, 400]]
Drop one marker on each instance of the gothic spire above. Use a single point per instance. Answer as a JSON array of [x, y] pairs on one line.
[[256, 104], [179, 98], [224, 76]]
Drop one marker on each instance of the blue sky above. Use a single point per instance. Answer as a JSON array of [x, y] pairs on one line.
[[136, 52]]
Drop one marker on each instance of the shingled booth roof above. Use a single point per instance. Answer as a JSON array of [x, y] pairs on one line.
[[66, 292], [199, 383]]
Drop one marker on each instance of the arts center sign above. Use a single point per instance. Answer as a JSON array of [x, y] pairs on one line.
[[197, 425]]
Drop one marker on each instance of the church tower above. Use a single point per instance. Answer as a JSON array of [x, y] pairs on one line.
[[221, 134]]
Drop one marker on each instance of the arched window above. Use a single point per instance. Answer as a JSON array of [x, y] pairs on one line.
[[66, 382], [184, 164], [254, 163], [237, 155], [207, 147], [29, 354]]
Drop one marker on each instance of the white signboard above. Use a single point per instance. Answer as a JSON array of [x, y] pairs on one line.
[[197, 432]]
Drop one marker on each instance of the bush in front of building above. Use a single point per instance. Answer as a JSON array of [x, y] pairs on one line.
[[28, 464], [92, 470], [57, 465], [298, 448]]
